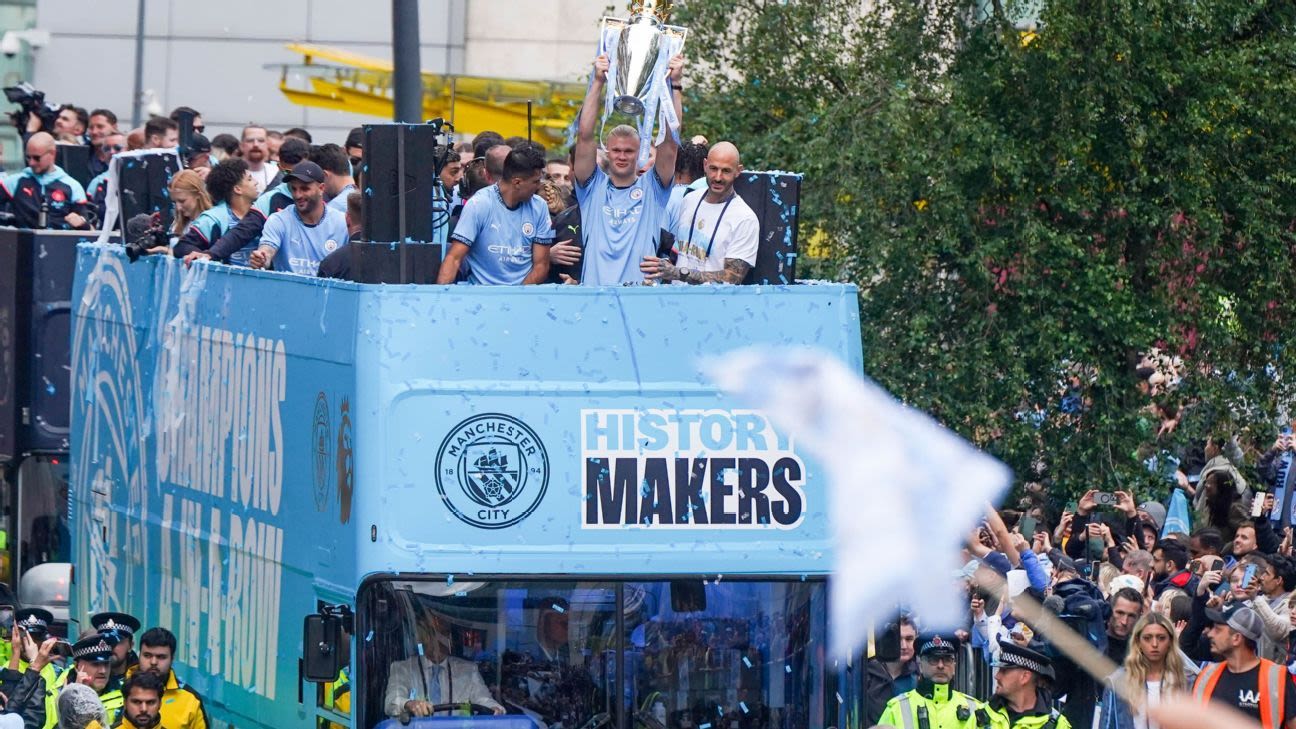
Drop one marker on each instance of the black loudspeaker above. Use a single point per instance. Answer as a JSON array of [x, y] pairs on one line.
[[775, 197], [36, 272], [142, 184], [75, 160], [48, 381], [400, 166], [380, 263], [13, 269]]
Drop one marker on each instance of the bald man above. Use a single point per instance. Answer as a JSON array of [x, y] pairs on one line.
[[716, 233], [42, 195]]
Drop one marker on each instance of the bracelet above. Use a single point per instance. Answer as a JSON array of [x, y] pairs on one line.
[[677, 87]]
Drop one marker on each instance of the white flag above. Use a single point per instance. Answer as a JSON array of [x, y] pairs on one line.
[[904, 492]]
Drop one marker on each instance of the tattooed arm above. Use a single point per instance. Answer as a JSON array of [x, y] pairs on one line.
[[735, 271]]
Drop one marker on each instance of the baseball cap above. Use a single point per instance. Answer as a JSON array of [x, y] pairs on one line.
[[305, 172], [1240, 618], [199, 143]]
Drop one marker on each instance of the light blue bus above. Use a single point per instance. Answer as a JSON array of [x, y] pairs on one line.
[[516, 500]]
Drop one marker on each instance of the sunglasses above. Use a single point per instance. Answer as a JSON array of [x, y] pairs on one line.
[[198, 128], [113, 147], [36, 156]]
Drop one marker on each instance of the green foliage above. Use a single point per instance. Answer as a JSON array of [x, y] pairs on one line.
[[1026, 217]]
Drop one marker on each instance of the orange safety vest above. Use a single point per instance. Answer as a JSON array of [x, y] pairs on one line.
[[1271, 689]]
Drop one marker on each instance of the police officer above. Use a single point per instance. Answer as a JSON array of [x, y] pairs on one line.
[[1022, 699], [933, 704], [42, 195], [123, 627], [35, 622], [92, 656]]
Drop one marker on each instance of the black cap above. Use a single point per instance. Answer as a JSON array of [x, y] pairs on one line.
[[1014, 656], [937, 644], [96, 649], [305, 172], [34, 620], [355, 138], [120, 623], [199, 144]]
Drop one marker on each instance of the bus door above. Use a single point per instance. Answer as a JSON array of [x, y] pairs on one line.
[[41, 547], [330, 701]]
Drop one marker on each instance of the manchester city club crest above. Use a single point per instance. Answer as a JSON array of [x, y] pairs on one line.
[[528, 229], [636, 194], [492, 471]]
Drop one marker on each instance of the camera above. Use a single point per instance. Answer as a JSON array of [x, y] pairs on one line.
[[144, 232], [30, 101]]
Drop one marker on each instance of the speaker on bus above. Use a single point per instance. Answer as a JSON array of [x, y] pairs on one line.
[[400, 165], [47, 382], [142, 184], [775, 197], [74, 159], [15, 283]]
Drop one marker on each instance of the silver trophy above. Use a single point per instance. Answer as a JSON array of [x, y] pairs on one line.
[[637, 45]]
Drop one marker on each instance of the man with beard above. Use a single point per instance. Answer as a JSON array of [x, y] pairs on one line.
[[181, 706], [142, 708], [716, 233], [1170, 568], [1258, 688], [123, 626], [1021, 699], [256, 151], [299, 237]]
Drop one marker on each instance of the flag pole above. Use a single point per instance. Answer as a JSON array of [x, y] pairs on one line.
[[1063, 638]]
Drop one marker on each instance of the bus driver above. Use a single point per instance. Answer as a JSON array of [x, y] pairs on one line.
[[418, 683]]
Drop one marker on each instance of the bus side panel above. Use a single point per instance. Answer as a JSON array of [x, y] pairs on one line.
[[213, 466], [570, 430]]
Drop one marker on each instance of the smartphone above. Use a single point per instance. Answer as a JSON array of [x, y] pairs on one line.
[[6, 621], [1257, 506], [1248, 575], [1223, 587], [62, 648], [1105, 498], [1195, 567], [1072, 505], [1028, 525]]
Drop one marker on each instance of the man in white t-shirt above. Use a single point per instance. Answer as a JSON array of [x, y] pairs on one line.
[[716, 233]]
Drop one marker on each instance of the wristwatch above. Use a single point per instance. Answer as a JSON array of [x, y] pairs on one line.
[[683, 274]]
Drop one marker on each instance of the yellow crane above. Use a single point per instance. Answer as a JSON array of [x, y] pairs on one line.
[[345, 81]]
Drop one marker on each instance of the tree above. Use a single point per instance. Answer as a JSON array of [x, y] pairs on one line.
[[1027, 213]]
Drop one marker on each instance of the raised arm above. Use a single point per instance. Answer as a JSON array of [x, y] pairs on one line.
[[585, 155], [669, 148]]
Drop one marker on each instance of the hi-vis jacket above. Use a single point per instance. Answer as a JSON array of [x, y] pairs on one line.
[[1043, 716], [1271, 689], [935, 706]]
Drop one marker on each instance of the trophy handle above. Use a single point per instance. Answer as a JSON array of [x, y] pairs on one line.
[[675, 31], [607, 24]]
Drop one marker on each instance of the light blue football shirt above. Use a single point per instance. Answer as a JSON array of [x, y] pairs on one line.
[[299, 247], [499, 239], [621, 225]]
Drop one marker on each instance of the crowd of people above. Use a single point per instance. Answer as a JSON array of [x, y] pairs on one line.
[[1189, 597], [99, 681], [505, 211]]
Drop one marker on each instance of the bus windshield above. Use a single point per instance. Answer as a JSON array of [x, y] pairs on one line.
[[745, 653]]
